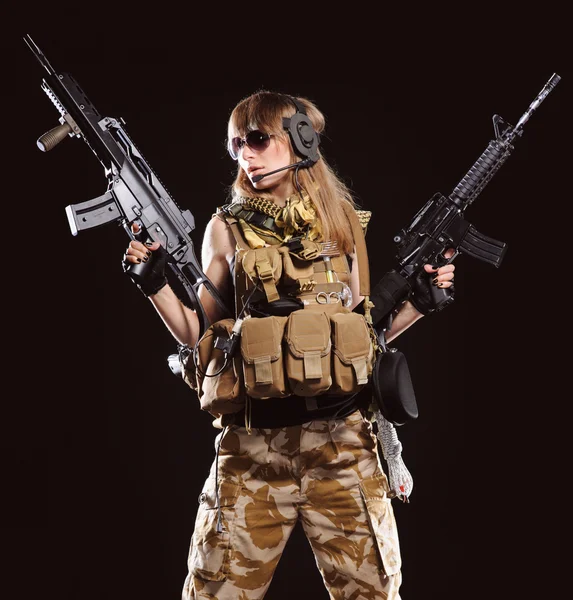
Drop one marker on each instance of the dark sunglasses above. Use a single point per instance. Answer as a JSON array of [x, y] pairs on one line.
[[255, 140]]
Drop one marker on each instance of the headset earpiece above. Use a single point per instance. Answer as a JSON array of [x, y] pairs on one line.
[[304, 138]]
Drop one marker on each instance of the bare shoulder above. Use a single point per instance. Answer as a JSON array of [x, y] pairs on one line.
[[218, 238]]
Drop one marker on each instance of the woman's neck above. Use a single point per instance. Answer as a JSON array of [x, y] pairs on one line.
[[282, 192]]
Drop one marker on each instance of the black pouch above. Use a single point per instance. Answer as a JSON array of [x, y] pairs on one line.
[[393, 389]]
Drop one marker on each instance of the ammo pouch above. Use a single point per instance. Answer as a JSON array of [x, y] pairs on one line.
[[308, 353], [261, 350], [353, 353], [216, 378], [307, 360]]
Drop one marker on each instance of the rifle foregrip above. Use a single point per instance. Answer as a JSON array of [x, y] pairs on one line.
[[52, 138], [138, 271], [481, 171], [149, 276]]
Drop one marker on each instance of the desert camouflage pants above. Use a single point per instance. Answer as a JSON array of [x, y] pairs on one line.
[[325, 473]]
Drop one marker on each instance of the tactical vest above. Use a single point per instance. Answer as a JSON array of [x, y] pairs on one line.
[[295, 334]]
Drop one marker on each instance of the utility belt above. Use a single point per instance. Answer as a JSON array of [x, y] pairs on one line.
[[295, 410], [317, 350]]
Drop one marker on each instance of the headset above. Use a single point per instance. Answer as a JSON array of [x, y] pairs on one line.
[[305, 140]]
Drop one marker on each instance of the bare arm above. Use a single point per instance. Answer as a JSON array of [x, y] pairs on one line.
[[216, 253], [406, 317]]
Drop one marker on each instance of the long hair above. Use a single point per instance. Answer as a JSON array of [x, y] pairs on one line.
[[264, 110]]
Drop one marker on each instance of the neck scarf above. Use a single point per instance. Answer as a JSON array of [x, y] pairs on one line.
[[297, 218]]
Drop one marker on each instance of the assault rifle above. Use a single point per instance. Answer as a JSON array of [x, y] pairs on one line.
[[437, 227], [134, 194], [440, 224]]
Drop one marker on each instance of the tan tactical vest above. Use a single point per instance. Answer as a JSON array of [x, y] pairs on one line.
[[318, 347]]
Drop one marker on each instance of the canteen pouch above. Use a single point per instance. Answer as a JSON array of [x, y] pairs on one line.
[[352, 353], [217, 378], [393, 390], [261, 349], [307, 360], [264, 266]]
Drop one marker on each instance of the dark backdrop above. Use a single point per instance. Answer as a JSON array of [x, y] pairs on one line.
[[107, 450]]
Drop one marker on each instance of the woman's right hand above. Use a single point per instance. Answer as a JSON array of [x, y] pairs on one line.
[[137, 252], [151, 279]]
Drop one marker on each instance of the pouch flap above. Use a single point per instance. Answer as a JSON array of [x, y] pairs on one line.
[[262, 264], [350, 337], [261, 340], [308, 332], [295, 269]]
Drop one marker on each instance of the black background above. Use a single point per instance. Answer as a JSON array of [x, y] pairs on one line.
[[106, 451]]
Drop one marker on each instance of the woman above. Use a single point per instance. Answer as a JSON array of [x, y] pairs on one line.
[[284, 456]]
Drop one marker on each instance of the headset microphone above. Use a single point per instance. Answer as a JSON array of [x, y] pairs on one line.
[[301, 163]]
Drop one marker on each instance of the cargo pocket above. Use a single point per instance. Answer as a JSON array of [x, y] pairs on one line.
[[352, 353], [210, 554], [261, 349], [382, 522], [307, 360]]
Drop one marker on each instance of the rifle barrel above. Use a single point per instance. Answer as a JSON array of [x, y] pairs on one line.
[[547, 88]]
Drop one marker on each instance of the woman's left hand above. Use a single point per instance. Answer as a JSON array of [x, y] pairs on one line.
[[443, 276]]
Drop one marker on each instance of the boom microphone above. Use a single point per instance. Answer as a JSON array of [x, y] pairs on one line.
[[307, 162]]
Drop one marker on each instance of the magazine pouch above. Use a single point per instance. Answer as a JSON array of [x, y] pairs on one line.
[[307, 360], [261, 349], [352, 353]]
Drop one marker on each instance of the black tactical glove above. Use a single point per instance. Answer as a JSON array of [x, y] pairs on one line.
[[149, 276], [386, 296], [428, 298]]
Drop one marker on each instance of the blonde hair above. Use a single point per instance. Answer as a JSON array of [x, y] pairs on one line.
[[264, 110]]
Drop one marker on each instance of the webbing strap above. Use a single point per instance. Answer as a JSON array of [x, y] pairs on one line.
[[312, 364], [361, 251], [240, 282], [265, 273], [263, 370], [360, 370]]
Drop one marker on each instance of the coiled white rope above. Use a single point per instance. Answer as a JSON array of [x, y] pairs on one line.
[[400, 479]]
